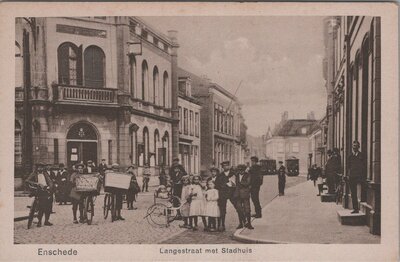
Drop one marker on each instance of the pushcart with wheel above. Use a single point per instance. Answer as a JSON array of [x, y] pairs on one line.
[[88, 185]]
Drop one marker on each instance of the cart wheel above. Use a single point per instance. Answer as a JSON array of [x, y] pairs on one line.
[[107, 205], [89, 209], [157, 214], [32, 213]]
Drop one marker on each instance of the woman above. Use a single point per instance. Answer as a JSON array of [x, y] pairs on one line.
[[133, 189]]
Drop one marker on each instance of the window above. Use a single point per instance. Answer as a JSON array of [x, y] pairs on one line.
[[55, 151], [133, 144], [69, 58], [19, 66], [132, 76], [94, 67], [156, 140], [155, 85], [144, 34], [165, 91], [304, 130], [109, 151], [197, 124], [185, 121], [17, 144], [281, 148], [295, 148], [165, 145], [145, 80], [146, 146], [180, 119], [191, 121], [215, 117]]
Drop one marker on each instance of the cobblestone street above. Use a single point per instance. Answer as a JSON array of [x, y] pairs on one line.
[[134, 230]]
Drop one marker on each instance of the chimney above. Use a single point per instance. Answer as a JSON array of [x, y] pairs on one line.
[[285, 116], [311, 116], [173, 35]]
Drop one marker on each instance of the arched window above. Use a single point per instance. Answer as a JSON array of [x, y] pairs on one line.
[[156, 141], [155, 85], [17, 144], [145, 80], [19, 66], [132, 76], [165, 91], [165, 146], [133, 144], [94, 67], [146, 146], [69, 58]]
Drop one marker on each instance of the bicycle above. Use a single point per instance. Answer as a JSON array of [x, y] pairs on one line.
[[88, 207], [109, 205], [36, 190], [340, 190]]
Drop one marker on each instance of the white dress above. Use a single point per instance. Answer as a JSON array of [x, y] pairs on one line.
[[185, 208], [197, 204], [212, 209]]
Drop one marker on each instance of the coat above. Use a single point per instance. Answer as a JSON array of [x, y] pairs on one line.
[[221, 181], [243, 186], [355, 166], [33, 177], [282, 174], [176, 172], [256, 176]]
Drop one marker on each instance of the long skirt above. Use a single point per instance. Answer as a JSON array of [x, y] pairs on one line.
[[197, 207]]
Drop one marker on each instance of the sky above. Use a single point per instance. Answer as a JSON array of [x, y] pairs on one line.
[[278, 60]]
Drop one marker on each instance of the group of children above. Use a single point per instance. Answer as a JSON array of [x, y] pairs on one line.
[[199, 200]]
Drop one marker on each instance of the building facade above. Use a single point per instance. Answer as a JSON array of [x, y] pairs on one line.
[[189, 127], [352, 69], [223, 132], [83, 94], [290, 139]]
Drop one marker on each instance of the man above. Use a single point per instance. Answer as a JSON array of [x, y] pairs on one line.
[[256, 182], [281, 178], [63, 185], [242, 196], [41, 177], [338, 163], [356, 172], [176, 173], [103, 167], [77, 198], [332, 169], [90, 168], [214, 173], [146, 179], [225, 183]]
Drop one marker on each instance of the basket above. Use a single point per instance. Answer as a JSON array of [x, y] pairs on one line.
[[117, 180], [87, 183]]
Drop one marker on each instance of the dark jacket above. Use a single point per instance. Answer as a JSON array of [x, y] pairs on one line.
[[243, 186], [221, 181], [355, 165], [176, 172], [33, 177], [282, 174], [256, 176], [102, 168], [332, 167]]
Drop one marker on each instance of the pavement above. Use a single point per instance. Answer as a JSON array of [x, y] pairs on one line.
[[300, 217]]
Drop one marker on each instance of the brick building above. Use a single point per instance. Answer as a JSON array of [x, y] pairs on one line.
[[83, 93], [223, 131], [352, 69]]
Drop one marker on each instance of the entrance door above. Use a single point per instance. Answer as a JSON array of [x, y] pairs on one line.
[[81, 152]]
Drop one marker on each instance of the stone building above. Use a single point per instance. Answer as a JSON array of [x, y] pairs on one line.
[[223, 131], [189, 127], [89, 88], [290, 139], [352, 69]]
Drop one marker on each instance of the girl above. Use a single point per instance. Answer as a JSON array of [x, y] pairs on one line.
[[196, 206], [185, 198], [133, 189], [212, 209]]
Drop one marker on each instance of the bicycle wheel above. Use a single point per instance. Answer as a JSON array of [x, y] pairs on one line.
[[32, 212], [113, 211], [157, 214], [107, 205], [89, 209], [84, 211]]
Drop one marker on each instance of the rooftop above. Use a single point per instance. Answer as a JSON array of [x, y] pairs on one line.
[[296, 127]]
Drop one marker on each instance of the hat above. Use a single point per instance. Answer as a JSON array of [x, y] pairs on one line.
[[79, 165], [114, 166], [90, 161], [225, 163], [187, 177], [103, 159], [40, 164], [241, 167], [175, 160], [254, 158], [356, 143], [214, 169], [196, 177], [280, 162]]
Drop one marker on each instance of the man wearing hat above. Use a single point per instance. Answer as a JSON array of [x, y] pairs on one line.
[[281, 178], [90, 168], [256, 182], [176, 173], [41, 177], [63, 185], [76, 198], [242, 196], [355, 173], [146, 179], [225, 183]]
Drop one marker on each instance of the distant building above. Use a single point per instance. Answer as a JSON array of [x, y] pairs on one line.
[[255, 147], [189, 127], [223, 131], [290, 139]]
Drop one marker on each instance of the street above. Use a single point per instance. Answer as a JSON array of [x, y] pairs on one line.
[[134, 230]]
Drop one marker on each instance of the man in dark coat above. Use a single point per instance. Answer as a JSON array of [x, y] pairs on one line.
[[225, 183], [281, 178], [356, 173], [332, 169], [63, 184], [176, 173], [242, 196], [256, 182], [41, 177], [77, 201]]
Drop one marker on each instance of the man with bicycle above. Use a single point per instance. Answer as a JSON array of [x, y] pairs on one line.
[[45, 196], [77, 198]]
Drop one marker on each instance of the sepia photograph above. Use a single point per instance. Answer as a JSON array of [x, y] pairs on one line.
[[199, 134]]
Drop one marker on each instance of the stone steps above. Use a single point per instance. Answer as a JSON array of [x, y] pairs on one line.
[[347, 218]]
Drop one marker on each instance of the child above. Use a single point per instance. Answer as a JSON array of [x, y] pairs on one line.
[[212, 209], [162, 192], [196, 205], [185, 198], [203, 185]]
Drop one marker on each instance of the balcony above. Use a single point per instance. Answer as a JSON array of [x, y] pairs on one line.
[[63, 94]]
